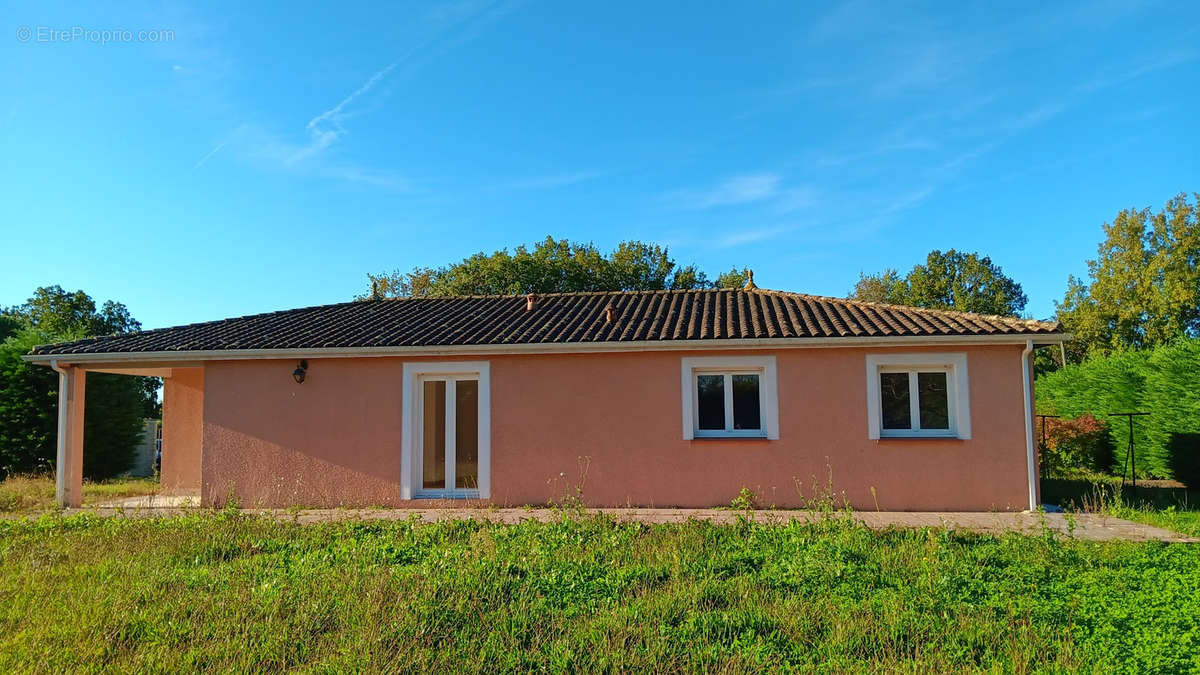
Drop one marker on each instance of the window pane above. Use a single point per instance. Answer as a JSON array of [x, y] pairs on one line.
[[933, 400], [466, 434], [710, 397], [745, 402], [433, 433], [893, 395]]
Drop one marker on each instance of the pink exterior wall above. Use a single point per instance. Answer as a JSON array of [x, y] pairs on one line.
[[183, 415], [336, 438], [333, 440], [624, 414]]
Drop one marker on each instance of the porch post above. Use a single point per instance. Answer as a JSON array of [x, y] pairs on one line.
[[68, 484]]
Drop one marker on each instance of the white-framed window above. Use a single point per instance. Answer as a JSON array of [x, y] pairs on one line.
[[920, 395], [729, 397], [446, 427]]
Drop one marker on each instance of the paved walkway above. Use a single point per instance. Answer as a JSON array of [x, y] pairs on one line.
[[1081, 526]]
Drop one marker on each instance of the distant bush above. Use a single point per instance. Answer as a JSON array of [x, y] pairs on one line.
[[1185, 458], [1163, 381], [1080, 443]]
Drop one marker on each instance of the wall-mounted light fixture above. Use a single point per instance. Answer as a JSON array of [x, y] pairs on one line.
[[300, 371]]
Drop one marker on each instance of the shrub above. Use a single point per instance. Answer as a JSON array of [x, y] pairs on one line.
[[1080, 443], [1184, 450]]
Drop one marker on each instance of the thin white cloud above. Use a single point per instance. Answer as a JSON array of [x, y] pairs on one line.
[[349, 173], [547, 182], [927, 66], [753, 235], [1038, 115], [852, 19], [798, 199], [742, 189], [1163, 62], [879, 149], [325, 129], [444, 28], [1048, 111], [958, 160], [266, 150], [206, 157], [908, 200]]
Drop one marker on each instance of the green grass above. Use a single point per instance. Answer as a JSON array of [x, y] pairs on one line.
[[1173, 508], [33, 494], [224, 591], [1187, 522]]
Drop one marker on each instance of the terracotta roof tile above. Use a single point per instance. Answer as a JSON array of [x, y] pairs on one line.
[[558, 318]]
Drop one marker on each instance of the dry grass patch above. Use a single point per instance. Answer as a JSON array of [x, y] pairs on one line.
[[35, 494]]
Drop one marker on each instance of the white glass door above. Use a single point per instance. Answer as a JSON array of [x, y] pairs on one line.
[[448, 436]]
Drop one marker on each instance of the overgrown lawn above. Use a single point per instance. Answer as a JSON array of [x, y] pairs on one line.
[[227, 591], [1174, 508], [32, 494]]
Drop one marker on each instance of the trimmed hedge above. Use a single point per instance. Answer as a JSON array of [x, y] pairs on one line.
[[113, 423], [1164, 381]]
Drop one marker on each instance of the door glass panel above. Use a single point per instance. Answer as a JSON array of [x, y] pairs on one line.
[[745, 402], [933, 400], [434, 436], [466, 434], [893, 395], [710, 395]]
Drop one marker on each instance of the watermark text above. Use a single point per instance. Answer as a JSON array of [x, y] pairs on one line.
[[101, 36]]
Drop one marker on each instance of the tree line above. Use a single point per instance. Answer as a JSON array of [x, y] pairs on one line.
[[553, 266]]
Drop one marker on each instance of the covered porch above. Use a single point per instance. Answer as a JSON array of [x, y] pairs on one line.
[[182, 416]]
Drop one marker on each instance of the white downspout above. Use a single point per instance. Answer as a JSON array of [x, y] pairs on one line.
[[1030, 457], [64, 397]]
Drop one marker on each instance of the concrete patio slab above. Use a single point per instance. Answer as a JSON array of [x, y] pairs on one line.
[[152, 502], [1085, 526]]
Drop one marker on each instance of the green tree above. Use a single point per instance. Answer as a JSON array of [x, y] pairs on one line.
[[552, 266], [1143, 287], [965, 282], [886, 287], [115, 404], [734, 278], [9, 326], [59, 312], [28, 407]]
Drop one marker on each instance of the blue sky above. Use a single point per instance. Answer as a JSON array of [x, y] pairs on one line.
[[263, 158]]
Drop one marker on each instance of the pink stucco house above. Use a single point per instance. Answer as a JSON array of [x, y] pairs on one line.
[[643, 398]]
